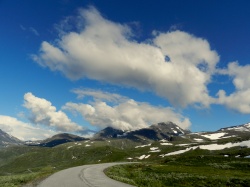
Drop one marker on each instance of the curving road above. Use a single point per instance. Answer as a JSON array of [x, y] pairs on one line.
[[83, 176]]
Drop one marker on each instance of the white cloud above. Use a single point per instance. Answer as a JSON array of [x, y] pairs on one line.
[[240, 74], [126, 115], [23, 131], [104, 50], [240, 99], [44, 113], [98, 95]]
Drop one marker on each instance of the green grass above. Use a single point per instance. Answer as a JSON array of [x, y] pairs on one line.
[[20, 165], [21, 179], [186, 171]]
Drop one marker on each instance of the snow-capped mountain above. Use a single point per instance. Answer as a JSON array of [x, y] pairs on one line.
[[154, 132], [108, 132], [242, 128]]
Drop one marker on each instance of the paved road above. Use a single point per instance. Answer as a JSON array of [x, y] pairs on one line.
[[83, 176]]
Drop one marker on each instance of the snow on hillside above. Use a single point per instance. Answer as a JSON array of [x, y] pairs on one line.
[[214, 136], [143, 157], [154, 149], [198, 140], [245, 127], [139, 146], [210, 147], [166, 143]]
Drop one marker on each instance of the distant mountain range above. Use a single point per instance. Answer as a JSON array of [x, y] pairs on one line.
[[165, 130], [154, 132], [154, 143], [56, 140]]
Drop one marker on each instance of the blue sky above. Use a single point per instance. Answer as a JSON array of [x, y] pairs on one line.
[[68, 66]]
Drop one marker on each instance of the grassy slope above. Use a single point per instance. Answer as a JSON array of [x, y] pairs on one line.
[[19, 165], [186, 170]]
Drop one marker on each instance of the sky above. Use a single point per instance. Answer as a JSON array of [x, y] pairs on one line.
[[80, 66]]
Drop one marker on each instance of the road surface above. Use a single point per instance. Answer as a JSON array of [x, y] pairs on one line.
[[83, 176]]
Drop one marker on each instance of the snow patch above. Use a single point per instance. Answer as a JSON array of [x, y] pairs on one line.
[[178, 152], [211, 147], [198, 140], [245, 127], [229, 136], [147, 156], [180, 129], [155, 151], [154, 148], [227, 145], [143, 157], [143, 145], [184, 144], [87, 145], [166, 143], [214, 136]]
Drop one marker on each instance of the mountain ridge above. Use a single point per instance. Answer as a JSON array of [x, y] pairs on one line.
[[163, 130], [57, 140], [7, 139]]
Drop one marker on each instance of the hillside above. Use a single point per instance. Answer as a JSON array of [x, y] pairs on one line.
[[157, 143], [154, 132], [56, 140], [7, 140]]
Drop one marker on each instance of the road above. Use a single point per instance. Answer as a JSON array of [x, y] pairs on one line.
[[83, 176]]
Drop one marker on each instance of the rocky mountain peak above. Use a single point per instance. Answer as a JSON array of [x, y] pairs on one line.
[[164, 130], [108, 132], [169, 128]]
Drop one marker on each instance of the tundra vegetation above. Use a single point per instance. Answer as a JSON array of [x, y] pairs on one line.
[[204, 159], [191, 169]]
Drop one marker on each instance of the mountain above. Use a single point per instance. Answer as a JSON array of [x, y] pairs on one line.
[[57, 140], [154, 132], [6, 139], [108, 132], [161, 143], [239, 128]]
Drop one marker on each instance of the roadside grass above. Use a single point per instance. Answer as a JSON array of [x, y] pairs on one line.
[[188, 171], [17, 180]]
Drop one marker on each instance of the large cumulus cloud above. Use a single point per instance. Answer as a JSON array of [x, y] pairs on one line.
[[22, 130], [125, 113], [44, 113], [239, 100], [174, 65]]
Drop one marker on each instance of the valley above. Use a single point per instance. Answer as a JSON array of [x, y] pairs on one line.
[[164, 150]]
